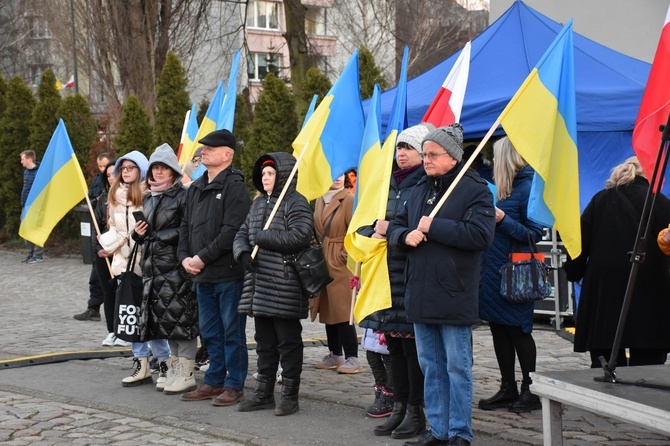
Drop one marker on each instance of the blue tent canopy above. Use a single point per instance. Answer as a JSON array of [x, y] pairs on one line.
[[609, 89]]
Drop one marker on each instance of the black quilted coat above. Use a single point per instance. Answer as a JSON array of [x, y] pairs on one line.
[[274, 290], [169, 306], [394, 319]]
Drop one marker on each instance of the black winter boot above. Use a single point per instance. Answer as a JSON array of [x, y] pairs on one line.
[[526, 401], [383, 405], [289, 397], [412, 425], [508, 393], [263, 397], [397, 415]]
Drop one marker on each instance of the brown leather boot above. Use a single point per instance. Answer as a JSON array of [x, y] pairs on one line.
[[203, 392]]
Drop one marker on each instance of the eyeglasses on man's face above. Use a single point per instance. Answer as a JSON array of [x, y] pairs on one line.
[[128, 168], [432, 156]]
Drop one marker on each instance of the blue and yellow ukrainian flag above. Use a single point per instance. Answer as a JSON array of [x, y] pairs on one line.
[[207, 125], [373, 179], [310, 109], [541, 122], [190, 131], [59, 185], [227, 115], [338, 146]]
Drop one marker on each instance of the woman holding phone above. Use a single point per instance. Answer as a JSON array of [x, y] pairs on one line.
[[169, 305], [125, 198]]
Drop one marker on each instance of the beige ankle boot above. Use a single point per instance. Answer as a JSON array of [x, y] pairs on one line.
[[141, 375], [184, 380], [171, 363]]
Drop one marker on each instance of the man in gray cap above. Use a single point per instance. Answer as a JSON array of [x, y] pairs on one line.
[[216, 206], [441, 298]]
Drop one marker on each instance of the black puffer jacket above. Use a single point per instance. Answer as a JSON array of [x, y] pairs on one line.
[[274, 290], [394, 319], [169, 306]]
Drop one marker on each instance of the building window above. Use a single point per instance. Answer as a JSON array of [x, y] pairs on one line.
[[315, 21], [260, 64], [262, 14], [38, 28]]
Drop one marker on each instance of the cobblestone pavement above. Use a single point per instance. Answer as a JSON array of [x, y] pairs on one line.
[[38, 301]]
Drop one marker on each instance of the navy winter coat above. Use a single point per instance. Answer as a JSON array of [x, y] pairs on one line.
[[274, 289], [443, 272], [514, 228], [395, 318], [28, 180]]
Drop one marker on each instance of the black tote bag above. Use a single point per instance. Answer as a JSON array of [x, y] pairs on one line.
[[128, 303]]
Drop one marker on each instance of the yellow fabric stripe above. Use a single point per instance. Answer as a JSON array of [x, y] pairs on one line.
[[538, 131], [61, 194]]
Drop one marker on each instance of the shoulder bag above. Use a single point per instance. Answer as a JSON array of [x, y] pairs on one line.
[[311, 265], [129, 302], [524, 280]]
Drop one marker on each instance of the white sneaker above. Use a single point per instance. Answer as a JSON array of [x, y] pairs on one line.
[[121, 343], [109, 340]]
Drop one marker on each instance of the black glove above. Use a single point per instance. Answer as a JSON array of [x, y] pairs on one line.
[[247, 262]]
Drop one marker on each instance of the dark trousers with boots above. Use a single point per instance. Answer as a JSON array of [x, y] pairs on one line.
[[407, 419], [508, 341], [407, 374], [279, 340]]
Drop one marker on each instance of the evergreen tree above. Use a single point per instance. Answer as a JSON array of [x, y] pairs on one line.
[[275, 124], [202, 110], [172, 102], [315, 83], [44, 120], [370, 73], [134, 129], [3, 92], [241, 128], [80, 124], [14, 139]]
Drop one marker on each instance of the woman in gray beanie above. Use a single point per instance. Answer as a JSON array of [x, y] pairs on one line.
[[169, 306]]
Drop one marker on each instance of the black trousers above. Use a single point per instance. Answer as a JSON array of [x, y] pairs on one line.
[[407, 374], [507, 340], [381, 369], [279, 340], [108, 291], [342, 336], [96, 295]]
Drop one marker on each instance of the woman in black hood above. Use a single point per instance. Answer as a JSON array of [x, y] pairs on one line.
[[272, 292]]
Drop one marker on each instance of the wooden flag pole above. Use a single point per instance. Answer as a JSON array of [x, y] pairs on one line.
[[97, 231], [354, 291], [464, 169], [281, 196]]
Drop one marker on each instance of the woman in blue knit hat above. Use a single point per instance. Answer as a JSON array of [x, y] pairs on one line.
[[125, 197]]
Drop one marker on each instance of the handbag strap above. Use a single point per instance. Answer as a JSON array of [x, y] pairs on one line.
[[326, 230], [133, 258], [531, 246]]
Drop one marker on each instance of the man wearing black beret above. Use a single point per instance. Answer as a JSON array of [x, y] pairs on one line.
[[216, 206]]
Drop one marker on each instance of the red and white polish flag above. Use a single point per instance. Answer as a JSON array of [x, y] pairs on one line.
[[70, 83], [655, 105], [446, 107]]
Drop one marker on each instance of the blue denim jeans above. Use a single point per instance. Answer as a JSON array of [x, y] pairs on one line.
[[222, 330], [445, 356], [159, 348]]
